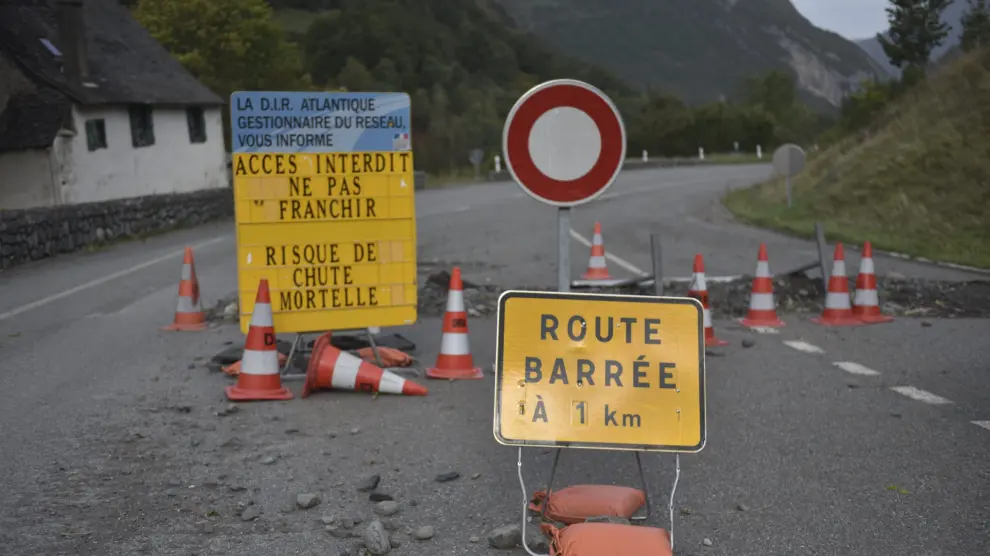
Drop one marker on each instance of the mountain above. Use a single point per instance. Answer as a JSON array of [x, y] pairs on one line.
[[699, 49], [952, 15]]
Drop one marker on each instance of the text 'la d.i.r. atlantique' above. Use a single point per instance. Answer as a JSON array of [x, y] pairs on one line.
[[308, 122]]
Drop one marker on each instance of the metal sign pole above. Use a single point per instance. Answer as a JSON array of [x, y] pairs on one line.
[[564, 249]]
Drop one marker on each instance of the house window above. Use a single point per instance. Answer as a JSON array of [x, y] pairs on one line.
[[142, 126], [96, 134], [197, 125]]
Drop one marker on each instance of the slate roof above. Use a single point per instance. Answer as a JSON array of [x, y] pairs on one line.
[[127, 65]]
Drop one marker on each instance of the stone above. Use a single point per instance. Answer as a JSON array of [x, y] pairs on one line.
[[394, 540], [339, 532], [369, 483], [267, 460], [307, 500], [327, 520], [424, 533], [747, 343], [380, 497], [505, 538], [707, 542], [250, 513], [448, 476], [475, 476], [347, 523], [376, 539], [742, 507], [387, 508]]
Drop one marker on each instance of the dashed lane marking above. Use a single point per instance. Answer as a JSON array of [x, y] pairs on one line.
[[803, 346], [920, 395], [984, 424], [855, 368], [764, 330], [99, 281]]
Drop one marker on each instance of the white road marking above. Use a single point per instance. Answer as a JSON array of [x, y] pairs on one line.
[[855, 368], [803, 346], [610, 256], [920, 395], [99, 281], [764, 330], [984, 424]]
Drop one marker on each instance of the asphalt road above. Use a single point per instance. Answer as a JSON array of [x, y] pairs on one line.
[[110, 443]]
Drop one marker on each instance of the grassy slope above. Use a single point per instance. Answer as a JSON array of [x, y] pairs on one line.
[[919, 183]]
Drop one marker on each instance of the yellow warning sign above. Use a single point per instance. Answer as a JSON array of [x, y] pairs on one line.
[[334, 234], [609, 372]]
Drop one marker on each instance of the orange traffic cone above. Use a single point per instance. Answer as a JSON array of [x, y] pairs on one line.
[[454, 360], [188, 311], [866, 303], [762, 308], [597, 269], [259, 378], [838, 309], [699, 291], [330, 367]]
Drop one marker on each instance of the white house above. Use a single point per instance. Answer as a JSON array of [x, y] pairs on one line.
[[92, 108]]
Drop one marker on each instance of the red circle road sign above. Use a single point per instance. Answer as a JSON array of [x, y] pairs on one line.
[[564, 142]]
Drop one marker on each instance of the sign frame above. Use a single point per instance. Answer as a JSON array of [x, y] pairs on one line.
[[361, 142], [660, 300], [540, 100]]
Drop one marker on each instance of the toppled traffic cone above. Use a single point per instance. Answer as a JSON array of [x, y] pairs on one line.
[[189, 313], [866, 302], [699, 291], [597, 269], [259, 378], [454, 360], [331, 368], [762, 307], [838, 308]]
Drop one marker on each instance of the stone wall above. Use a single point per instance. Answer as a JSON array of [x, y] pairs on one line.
[[32, 234]]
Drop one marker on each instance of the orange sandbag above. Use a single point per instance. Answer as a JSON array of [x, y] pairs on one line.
[[390, 357], [607, 539], [577, 503]]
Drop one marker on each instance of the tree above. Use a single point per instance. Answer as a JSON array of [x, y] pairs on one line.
[[916, 28], [976, 25], [226, 44]]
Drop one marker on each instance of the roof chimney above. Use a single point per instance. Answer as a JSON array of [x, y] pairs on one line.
[[72, 36]]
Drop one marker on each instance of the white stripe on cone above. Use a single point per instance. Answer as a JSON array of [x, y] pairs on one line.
[[186, 305], [596, 262], [867, 298], [866, 266], [763, 269], [345, 371], [391, 383], [597, 239], [455, 301], [454, 343], [255, 362], [698, 282], [261, 315], [187, 272], [708, 318], [837, 301], [761, 301], [839, 268]]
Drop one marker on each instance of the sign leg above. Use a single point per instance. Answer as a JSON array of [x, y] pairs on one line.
[[564, 250], [657, 252], [670, 504], [822, 250], [292, 354]]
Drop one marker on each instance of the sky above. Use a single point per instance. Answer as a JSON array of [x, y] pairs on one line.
[[853, 19]]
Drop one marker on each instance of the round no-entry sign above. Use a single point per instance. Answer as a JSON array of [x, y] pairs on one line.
[[564, 142]]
